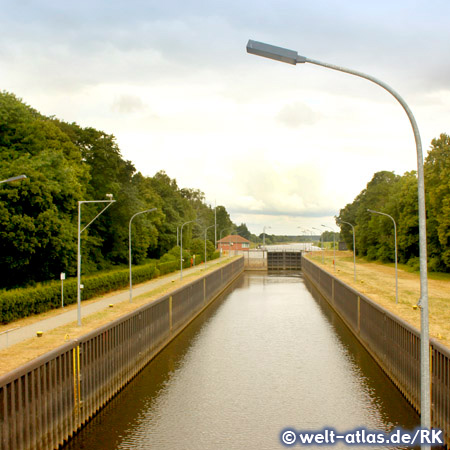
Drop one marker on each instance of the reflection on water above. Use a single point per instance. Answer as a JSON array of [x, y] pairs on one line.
[[264, 357]]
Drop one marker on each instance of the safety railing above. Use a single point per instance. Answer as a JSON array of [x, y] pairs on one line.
[[46, 401], [393, 343]]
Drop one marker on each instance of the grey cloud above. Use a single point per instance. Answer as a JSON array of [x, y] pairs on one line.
[[325, 212], [296, 115], [128, 104], [74, 44]]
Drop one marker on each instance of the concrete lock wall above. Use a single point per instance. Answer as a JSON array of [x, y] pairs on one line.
[[392, 342], [43, 403]]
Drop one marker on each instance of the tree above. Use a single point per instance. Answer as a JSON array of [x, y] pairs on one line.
[[176, 209], [224, 222], [38, 215], [243, 231], [437, 183]]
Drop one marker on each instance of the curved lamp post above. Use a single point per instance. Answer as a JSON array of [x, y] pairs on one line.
[[181, 247], [264, 235], [292, 57], [334, 246], [110, 202], [354, 248], [303, 231], [395, 246], [206, 229], [321, 238], [221, 231], [18, 178], [129, 247]]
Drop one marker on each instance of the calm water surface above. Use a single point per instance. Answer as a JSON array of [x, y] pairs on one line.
[[267, 355]]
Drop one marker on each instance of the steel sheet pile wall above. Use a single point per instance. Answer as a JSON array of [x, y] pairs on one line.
[[393, 343], [46, 401]]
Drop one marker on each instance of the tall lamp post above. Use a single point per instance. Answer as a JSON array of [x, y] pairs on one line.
[[292, 57], [264, 235], [181, 247], [110, 202], [334, 246], [10, 180], [395, 246], [302, 230], [354, 248], [206, 229], [321, 238], [221, 231], [129, 247], [311, 232]]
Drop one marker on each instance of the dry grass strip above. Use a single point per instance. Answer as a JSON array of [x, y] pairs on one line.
[[377, 281]]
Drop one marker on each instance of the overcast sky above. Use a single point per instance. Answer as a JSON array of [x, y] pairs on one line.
[[279, 145]]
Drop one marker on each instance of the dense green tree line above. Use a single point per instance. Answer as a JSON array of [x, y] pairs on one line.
[[65, 163], [397, 196]]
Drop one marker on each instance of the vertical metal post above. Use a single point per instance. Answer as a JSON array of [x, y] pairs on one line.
[[79, 269], [129, 248], [395, 247], [63, 277], [354, 248], [110, 202], [206, 229], [181, 247]]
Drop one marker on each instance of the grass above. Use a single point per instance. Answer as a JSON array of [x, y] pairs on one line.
[[377, 281], [16, 355]]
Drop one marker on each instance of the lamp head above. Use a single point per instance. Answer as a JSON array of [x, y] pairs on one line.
[[109, 196], [273, 52]]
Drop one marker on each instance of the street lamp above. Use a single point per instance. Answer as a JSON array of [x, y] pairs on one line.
[[334, 246], [181, 247], [129, 247], [395, 245], [18, 178], [321, 238], [302, 230], [264, 235], [292, 57], [354, 248], [221, 231], [206, 229], [110, 202], [311, 234]]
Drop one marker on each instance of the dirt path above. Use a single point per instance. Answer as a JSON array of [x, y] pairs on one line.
[[60, 325]]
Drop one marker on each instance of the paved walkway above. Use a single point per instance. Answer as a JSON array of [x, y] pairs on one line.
[[17, 335]]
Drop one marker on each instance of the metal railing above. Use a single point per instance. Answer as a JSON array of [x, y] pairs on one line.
[[392, 342], [43, 403]]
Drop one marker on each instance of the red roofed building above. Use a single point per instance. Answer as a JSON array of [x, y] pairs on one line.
[[233, 242]]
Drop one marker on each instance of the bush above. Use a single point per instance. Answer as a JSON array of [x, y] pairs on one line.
[[168, 266], [414, 263], [23, 302], [18, 303]]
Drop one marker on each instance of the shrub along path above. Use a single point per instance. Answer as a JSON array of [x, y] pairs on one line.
[[94, 313]]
